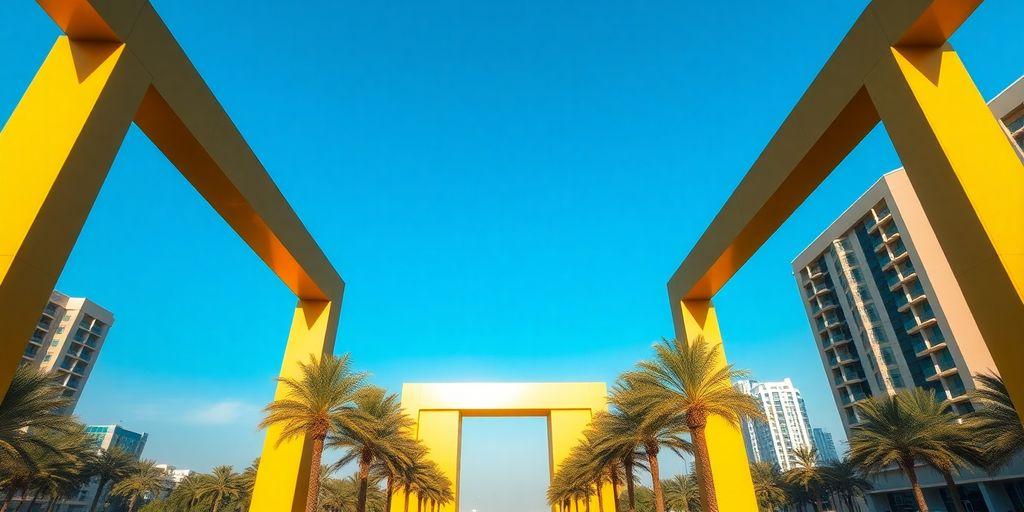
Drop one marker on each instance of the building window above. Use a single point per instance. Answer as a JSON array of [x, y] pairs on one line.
[[888, 356], [1015, 124]]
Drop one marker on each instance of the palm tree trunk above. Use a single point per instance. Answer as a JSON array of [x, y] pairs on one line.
[[390, 490], [630, 484], [51, 504], [615, 487], [600, 498], [818, 505], [131, 504], [954, 492], [586, 501], [99, 491], [652, 463], [577, 500], [406, 508], [908, 468], [706, 479], [216, 503], [364, 475], [35, 497], [314, 473]]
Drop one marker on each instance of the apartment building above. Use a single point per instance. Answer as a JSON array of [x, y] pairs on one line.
[[67, 340], [887, 313], [105, 437], [785, 427], [827, 453]]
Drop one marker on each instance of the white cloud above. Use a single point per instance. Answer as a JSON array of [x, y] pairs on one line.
[[224, 412]]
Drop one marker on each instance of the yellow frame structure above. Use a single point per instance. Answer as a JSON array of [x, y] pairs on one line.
[[894, 66], [118, 63], [438, 410]]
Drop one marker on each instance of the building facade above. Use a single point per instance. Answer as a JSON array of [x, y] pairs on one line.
[[67, 341], [887, 314], [826, 447], [172, 477], [105, 437], [785, 427]]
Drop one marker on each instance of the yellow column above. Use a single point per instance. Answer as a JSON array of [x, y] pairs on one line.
[[971, 184], [282, 482], [55, 152], [729, 466], [441, 433], [565, 431]]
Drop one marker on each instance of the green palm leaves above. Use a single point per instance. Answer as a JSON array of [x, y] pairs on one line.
[[316, 403], [334, 407], [906, 429], [655, 406], [995, 423], [144, 480]]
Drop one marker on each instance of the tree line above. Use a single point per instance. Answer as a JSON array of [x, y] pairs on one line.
[[665, 402]]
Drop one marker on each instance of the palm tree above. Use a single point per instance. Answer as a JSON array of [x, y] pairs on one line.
[[145, 479], [681, 491], [247, 483], [845, 478], [995, 422], [646, 428], [386, 468], [187, 494], [222, 483], [905, 429], [382, 429], [807, 474], [31, 409], [59, 473], [109, 466], [690, 380], [616, 439], [768, 486], [321, 399]]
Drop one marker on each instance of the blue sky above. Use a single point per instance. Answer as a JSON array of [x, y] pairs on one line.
[[505, 186]]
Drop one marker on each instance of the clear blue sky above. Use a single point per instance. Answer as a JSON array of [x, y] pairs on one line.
[[505, 186]]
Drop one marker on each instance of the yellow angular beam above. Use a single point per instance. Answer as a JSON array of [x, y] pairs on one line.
[[970, 181], [55, 152], [438, 410], [894, 66], [733, 484], [118, 62]]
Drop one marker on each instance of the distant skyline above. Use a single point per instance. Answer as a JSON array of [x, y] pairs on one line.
[[506, 188]]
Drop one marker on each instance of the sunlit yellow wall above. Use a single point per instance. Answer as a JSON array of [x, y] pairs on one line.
[[439, 408], [734, 487]]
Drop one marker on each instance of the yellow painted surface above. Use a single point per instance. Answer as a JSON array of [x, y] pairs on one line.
[[729, 465], [117, 63], [894, 66], [283, 477], [55, 151], [439, 408], [971, 186]]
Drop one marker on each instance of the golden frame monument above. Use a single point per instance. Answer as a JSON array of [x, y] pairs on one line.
[[438, 410], [118, 63], [895, 66]]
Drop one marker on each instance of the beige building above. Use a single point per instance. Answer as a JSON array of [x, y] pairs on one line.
[[67, 341], [887, 313]]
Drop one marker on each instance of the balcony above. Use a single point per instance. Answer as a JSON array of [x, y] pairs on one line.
[[873, 225], [938, 374], [922, 349], [890, 262], [895, 283], [917, 328]]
